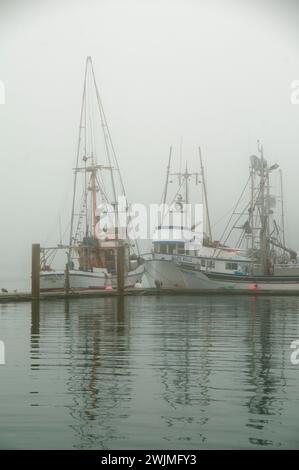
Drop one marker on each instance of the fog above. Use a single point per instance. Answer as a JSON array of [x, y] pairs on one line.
[[210, 73]]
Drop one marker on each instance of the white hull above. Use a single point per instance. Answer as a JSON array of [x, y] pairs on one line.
[[78, 280], [164, 273], [195, 280], [167, 274]]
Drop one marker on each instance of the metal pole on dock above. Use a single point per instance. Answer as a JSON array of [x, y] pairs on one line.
[[35, 271], [121, 268]]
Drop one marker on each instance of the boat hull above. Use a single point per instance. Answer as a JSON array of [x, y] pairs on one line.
[[167, 274], [208, 281], [83, 280]]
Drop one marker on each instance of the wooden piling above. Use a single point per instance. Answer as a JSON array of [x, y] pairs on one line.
[[121, 268], [35, 322], [35, 271], [67, 278]]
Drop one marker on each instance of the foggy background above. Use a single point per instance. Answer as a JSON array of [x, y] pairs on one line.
[[212, 73]]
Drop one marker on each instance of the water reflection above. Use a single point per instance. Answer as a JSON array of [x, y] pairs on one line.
[[191, 367], [265, 366], [102, 377], [35, 334], [185, 371]]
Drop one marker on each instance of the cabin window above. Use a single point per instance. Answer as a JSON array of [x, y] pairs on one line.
[[210, 263], [180, 248], [231, 266], [203, 262], [163, 248], [171, 249]]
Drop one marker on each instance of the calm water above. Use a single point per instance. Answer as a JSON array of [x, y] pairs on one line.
[[164, 373]]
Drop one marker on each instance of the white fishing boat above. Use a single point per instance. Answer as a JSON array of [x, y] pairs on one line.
[[94, 245], [259, 260]]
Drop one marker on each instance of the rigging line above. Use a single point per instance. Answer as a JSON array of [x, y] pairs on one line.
[[224, 216], [91, 131], [255, 201], [236, 221], [65, 230], [101, 182], [128, 222], [181, 153], [240, 240], [232, 215], [77, 159], [104, 129], [80, 216], [113, 151], [103, 115], [172, 201], [101, 187], [64, 201]]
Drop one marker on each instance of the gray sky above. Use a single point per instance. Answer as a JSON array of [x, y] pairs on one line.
[[216, 73]]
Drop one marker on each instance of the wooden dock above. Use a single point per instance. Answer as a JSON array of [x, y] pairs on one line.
[[48, 296]]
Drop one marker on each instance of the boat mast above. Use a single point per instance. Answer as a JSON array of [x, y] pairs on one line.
[[186, 176], [181, 157], [83, 104], [166, 182], [264, 245], [84, 127], [251, 219], [107, 139], [94, 200], [282, 207], [184, 179], [205, 194]]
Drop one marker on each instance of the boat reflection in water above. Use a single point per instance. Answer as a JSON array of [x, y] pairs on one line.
[[168, 372]]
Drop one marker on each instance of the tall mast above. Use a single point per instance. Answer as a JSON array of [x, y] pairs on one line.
[[263, 216], [107, 139], [282, 207], [94, 200], [251, 218], [77, 162], [166, 182], [181, 156], [186, 175], [205, 194]]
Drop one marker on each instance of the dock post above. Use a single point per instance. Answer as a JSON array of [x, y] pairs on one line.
[[121, 268], [67, 279], [35, 271]]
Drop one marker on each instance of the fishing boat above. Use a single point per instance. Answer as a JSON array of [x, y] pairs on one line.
[[259, 260], [98, 230]]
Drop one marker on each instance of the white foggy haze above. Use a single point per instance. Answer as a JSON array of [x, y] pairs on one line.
[[215, 73]]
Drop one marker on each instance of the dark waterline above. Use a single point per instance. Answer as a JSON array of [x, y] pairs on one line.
[[164, 373]]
